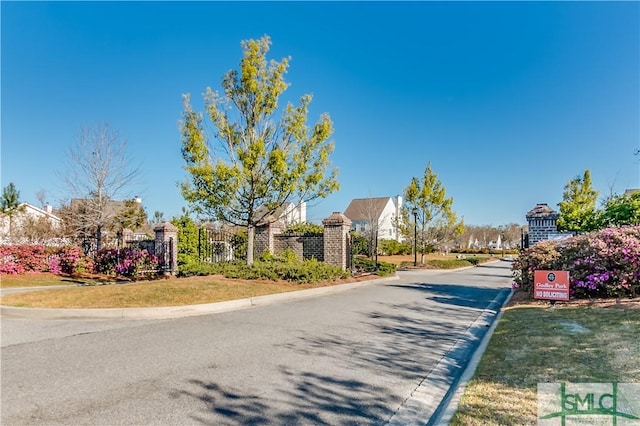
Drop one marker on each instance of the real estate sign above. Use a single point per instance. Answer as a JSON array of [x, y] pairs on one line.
[[551, 285]]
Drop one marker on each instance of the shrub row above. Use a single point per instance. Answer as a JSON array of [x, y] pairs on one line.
[[308, 271], [605, 263], [382, 269], [449, 263], [484, 251], [18, 259]]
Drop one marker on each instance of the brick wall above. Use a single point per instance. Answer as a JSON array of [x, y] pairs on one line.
[[332, 247], [304, 246]]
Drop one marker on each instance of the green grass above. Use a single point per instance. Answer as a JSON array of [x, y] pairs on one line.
[[165, 292], [41, 279], [535, 343]]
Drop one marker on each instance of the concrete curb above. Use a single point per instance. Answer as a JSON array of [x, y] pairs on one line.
[[450, 405], [428, 401], [170, 312]]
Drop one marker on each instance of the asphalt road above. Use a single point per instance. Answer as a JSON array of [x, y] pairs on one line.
[[359, 357]]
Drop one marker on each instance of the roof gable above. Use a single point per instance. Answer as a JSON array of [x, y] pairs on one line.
[[366, 208]]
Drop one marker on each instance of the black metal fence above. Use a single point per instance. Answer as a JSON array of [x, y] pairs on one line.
[[216, 245], [162, 250]]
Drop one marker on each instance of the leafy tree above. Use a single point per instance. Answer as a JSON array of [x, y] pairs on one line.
[[578, 205], [187, 239], [98, 171], [132, 216], [10, 203], [158, 218], [436, 220], [305, 228], [260, 161], [621, 210]]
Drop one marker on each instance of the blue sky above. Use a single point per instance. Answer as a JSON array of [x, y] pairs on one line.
[[507, 100]]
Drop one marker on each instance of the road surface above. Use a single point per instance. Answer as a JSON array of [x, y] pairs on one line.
[[354, 357]]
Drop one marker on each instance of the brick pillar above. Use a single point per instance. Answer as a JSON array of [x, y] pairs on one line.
[[265, 237], [336, 240], [167, 247]]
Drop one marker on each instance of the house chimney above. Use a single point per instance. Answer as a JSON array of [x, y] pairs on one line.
[[48, 208], [137, 199]]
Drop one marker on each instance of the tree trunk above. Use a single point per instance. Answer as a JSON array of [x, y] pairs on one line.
[[251, 232], [98, 238]]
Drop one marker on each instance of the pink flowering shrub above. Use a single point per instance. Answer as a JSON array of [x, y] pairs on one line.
[[605, 263], [9, 262], [126, 262], [72, 261], [18, 259]]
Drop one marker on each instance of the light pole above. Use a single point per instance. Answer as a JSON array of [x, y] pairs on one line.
[[415, 236]]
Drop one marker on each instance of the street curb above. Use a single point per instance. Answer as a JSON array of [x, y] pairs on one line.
[[170, 312], [428, 401], [450, 406]]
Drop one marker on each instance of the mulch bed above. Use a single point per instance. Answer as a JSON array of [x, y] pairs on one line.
[[522, 298]]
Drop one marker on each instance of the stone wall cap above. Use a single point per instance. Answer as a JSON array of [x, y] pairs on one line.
[[336, 218], [542, 210], [166, 226]]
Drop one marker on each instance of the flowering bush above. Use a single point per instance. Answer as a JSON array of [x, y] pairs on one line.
[[604, 263], [17, 259], [9, 263], [126, 262], [72, 261]]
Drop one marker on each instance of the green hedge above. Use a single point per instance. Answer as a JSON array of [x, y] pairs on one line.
[[308, 271], [363, 264]]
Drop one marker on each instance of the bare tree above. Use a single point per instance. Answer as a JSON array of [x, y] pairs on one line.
[[38, 230], [41, 195], [97, 174], [371, 211]]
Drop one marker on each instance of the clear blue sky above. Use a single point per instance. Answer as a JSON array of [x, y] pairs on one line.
[[507, 100]]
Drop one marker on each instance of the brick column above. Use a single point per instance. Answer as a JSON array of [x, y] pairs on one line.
[[336, 240], [264, 238], [167, 247]]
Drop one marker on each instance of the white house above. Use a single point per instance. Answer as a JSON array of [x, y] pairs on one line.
[[26, 213], [289, 213], [294, 213], [366, 212]]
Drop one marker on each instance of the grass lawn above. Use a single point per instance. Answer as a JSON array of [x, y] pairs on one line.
[[38, 279], [597, 342], [164, 292], [408, 258]]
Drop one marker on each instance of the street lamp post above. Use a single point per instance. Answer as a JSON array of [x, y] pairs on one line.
[[415, 236]]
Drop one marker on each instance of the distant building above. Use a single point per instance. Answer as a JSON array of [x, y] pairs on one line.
[[26, 213], [289, 213], [363, 212]]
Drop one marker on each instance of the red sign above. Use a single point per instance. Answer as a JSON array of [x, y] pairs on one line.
[[551, 285]]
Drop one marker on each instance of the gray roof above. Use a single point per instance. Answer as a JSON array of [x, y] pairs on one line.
[[366, 208], [542, 210]]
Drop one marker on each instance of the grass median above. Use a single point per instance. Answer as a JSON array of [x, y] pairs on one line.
[[164, 292], [578, 342]]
